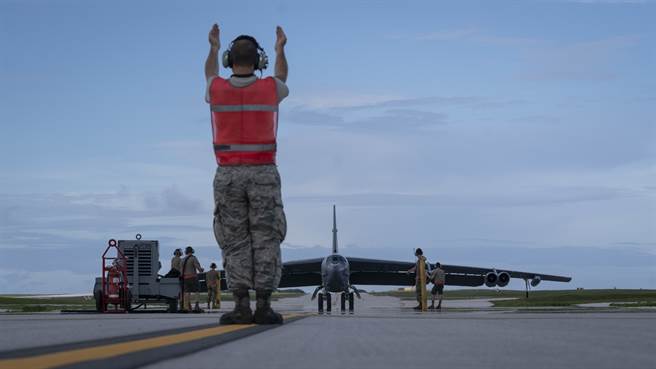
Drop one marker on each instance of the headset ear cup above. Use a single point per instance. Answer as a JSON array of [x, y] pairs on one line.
[[225, 59], [262, 60]]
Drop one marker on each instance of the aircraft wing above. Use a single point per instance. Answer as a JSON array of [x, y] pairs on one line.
[[466, 270], [301, 273], [388, 272]]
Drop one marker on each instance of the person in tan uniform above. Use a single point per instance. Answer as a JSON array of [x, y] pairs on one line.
[[176, 265], [190, 269], [213, 280], [438, 277]]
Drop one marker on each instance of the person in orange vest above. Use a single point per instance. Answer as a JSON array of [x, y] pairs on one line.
[[249, 221]]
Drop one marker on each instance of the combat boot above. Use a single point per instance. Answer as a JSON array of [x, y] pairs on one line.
[[263, 312], [242, 313]]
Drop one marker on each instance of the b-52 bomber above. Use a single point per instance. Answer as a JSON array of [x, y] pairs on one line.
[[339, 274]]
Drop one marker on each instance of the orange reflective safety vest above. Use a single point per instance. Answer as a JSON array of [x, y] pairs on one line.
[[244, 122]]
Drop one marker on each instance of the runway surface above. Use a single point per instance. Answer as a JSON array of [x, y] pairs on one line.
[[383, 333]]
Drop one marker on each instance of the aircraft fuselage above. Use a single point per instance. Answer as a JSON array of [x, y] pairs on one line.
[[335, 273]]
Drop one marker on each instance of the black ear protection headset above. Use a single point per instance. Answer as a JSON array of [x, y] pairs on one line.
[[261, 60]]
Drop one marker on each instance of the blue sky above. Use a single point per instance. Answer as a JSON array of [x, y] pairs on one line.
[[515, 134]]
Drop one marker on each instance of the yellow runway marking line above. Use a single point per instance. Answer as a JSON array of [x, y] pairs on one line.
[[106, 351], [75, 356]]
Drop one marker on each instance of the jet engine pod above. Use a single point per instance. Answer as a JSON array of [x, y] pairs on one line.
[[491, 279], [503, 279], [535, 281]]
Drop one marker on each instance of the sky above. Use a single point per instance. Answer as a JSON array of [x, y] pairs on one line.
[[509, 134]]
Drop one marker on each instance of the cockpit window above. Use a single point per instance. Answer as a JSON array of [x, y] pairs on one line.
[[336, 259]]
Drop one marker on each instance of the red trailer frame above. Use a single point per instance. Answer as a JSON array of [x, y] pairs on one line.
[[118, 264]]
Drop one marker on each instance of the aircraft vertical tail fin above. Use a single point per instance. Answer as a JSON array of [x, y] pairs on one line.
[[334, 230]]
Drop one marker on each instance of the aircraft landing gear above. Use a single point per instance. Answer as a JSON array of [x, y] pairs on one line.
[[351, 302], [328, 299], [343, 303]]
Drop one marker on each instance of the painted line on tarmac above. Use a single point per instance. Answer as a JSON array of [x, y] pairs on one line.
[[137, 352]]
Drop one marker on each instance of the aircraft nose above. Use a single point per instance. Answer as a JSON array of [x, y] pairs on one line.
[[336, 276]]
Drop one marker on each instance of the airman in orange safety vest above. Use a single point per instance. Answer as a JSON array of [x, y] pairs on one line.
[[249, 221]]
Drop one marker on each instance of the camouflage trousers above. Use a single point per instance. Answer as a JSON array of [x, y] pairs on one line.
[[249, 225]]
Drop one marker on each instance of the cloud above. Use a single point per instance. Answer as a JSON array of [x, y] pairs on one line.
[[544, 59], [336, 99], [475, 102], [474, 35], [388, 120], [313, 117], [55, 240], [478, 198], [593, 2], [61, 220], [51, 282], [581, 61], [391, 115], [173, 202], [448, 35], [340, 104]]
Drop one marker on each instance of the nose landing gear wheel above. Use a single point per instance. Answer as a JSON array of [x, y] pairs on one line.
[[351, 303], [343, 302], [320, 303]]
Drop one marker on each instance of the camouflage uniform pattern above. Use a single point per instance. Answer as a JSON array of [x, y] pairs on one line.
[[249, 225]]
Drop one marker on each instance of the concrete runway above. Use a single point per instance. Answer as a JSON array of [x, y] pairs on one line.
[[383, 333]]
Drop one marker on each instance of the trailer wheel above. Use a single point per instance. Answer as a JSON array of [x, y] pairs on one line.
[[173, 306]]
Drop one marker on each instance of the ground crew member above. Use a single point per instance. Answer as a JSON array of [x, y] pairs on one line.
[[176, 265], [249, 222], [213, 280], [419, 253], [190, 267], [438, 277]]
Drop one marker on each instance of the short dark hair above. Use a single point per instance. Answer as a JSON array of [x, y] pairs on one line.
[[438, 265], [212, 266], [189, 250], [177, 252], [244, 52], [418, 251]]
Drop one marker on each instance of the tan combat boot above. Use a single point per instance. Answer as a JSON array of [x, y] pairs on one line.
[[242, 313], [263, 312]]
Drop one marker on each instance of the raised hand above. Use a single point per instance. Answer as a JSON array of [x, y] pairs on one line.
[[281, 39], [214, 36]]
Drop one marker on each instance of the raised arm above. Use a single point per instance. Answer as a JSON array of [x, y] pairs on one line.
[[212, 62], [281, 60], [197, 265]]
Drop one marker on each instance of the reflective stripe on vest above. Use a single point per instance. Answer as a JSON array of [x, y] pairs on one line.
[[246, 147], [229, 108], [244, 122]]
